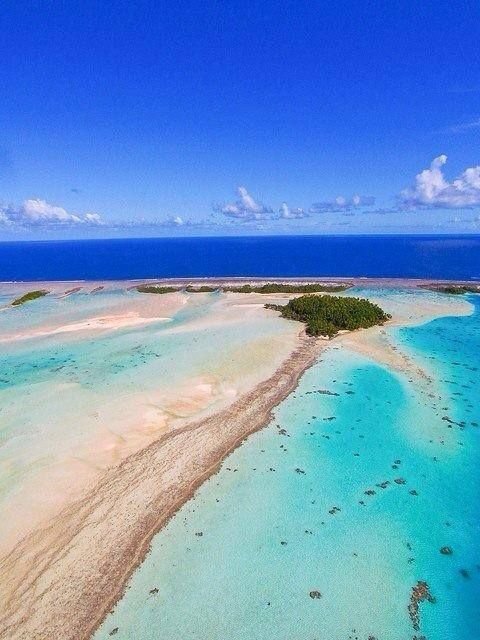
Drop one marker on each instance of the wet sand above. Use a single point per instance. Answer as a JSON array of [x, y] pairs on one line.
[[100, 323]]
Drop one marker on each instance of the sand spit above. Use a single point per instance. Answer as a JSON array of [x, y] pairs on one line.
[[125, 312], [376, 344], [70, 292], [101, 323], [61, 581]]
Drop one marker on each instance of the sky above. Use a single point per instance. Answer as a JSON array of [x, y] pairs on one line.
[[218, 118]]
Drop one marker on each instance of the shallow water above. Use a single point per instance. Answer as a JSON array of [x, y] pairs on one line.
[[288, 514], [73, 403]]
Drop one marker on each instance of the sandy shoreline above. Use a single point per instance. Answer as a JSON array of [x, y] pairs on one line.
[[62, 580], [62, 287]]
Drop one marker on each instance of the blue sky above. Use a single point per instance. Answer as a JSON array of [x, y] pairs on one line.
[[197, 118]]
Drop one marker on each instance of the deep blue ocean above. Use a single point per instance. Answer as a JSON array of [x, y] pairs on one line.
[[442, 257]]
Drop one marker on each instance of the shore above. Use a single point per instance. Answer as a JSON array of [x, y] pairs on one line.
[[67, 287], [374, 342], [63, 578]]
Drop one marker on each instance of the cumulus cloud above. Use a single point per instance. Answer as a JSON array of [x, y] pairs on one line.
[[342, 204], [245, 208], [37, 213], [93, 218], [432, 190], [286, 213], [173, 222]]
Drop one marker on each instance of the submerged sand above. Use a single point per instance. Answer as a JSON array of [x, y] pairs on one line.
[[62, 578], [88, 429]]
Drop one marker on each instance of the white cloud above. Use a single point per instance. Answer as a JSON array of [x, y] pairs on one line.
[[342, 204], [36, 213], [245, 208], [286, 213], [93, 218], [431, 189], [175, 222], [248, 201]]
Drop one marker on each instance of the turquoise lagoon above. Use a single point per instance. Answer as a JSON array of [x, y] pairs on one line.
[[75, 402], [320, 525]]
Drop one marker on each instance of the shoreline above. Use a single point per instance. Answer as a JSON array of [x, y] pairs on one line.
[[355, 281], [64, 579]]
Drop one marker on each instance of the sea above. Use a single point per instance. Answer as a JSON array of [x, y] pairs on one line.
[[446, 257]]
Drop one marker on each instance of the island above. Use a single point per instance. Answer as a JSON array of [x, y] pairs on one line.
[[27, 297], [156, 289], [328, 315], [454, 289], [268, 288]]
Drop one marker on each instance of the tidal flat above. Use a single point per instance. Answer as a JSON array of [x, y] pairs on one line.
[[118, 407]]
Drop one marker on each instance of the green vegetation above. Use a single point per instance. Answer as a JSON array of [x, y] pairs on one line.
[[456, 289], [278, 287], [31, 295], [156, 289], [202, 289], [327, 315], [269, 288]]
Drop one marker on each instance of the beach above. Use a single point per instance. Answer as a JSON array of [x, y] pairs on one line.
[[63, 576]]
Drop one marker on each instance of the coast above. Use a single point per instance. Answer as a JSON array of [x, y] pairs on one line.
[[60, 581], [62, 578], [67, 287]]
